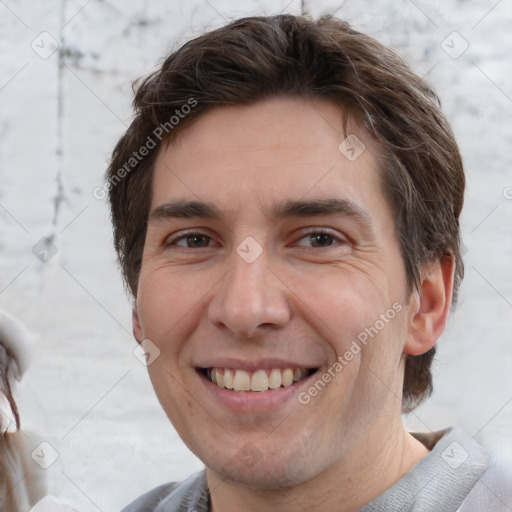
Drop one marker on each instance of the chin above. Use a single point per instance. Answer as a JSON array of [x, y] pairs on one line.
[[265, 477], [250, 468]]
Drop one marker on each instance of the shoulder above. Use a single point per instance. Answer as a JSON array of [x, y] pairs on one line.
[[444, 479], [149, 500], [192, 493], [493, 490], [467, 474]]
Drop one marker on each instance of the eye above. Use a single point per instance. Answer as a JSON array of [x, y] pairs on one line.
[[191, 240], [322, 239], [319, 239]]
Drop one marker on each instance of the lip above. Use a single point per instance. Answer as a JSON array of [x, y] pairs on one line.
[[253, 401], [252, 366]]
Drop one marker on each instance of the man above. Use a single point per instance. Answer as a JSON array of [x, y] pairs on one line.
[[286, 212]]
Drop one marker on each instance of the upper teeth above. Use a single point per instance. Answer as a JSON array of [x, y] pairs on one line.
[[261, 380]]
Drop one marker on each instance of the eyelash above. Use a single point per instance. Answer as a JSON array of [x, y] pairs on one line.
[[317, 231]]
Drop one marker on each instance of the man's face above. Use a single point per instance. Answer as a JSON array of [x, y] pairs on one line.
[[270, 286]]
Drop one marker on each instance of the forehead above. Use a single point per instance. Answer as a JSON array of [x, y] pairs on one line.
[[244, 156]]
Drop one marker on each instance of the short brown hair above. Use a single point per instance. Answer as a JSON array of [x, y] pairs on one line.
[[262, 57]]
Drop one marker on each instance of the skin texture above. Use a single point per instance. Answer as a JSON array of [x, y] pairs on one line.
[[304, 299]]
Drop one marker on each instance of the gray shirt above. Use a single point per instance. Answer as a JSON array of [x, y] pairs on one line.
[[458, 475]]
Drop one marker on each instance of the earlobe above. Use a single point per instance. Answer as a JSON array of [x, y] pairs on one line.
[[430, 306], [136, 327]]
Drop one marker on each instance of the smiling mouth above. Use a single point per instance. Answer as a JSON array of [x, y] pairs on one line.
[[259, 380]]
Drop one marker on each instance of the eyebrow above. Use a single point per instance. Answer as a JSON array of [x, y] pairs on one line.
[[185, 209]]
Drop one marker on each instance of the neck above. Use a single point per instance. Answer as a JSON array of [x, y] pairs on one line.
[[374, 464]]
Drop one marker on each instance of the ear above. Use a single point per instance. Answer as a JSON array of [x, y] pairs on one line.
[[136, 327], [429, 306]]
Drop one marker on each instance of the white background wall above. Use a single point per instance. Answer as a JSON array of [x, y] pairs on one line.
[[60, 116]]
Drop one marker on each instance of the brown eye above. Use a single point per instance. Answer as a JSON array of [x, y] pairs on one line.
[[321, 239], [191, 241]]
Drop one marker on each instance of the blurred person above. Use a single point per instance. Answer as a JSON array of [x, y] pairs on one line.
[[286, 207], [22, 482]]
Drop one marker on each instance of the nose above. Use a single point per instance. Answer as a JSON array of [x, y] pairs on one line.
[[250, 298]]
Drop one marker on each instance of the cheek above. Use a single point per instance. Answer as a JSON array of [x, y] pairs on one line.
[[179, 407], [363, 320], [340, 302], [164, 298]]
